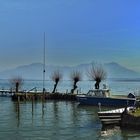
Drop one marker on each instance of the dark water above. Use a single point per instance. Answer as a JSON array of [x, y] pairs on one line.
[[57, 121]]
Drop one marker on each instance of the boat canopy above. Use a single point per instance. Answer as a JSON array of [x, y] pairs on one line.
[[99, 92]]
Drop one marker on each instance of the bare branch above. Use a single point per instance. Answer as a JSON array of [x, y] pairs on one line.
[[76, 76], [56, 77], [96, 73], [16, 82]]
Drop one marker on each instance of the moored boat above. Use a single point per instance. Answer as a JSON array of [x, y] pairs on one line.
[[103, 97], [112, 116]]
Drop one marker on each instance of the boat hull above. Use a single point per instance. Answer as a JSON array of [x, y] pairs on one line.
[[112, 116], [105, 101], [107, 119]]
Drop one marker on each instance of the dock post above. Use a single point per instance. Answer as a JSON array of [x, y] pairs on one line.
[[18, 98], [99, 104], [32, 105]]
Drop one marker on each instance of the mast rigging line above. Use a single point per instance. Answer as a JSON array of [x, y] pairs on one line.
[[44, 62]]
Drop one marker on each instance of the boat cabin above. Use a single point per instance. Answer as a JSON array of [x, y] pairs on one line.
[[99, 92]]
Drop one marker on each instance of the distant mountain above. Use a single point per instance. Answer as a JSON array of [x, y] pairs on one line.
[[117, 71], [35, 71]]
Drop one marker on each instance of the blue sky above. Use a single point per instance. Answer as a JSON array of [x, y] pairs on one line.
[[77, 31]]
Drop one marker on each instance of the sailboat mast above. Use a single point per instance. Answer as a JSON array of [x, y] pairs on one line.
[[44, 65]]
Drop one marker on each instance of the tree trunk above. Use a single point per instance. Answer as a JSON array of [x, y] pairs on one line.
[[55, 85], [97, 85], [74, 87], [17, 86]]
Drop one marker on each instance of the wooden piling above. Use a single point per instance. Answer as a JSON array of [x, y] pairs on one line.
[[43, 97]]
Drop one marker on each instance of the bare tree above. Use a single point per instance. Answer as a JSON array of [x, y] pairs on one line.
[[76, 76], [56, 77], [96, 73], [17, 83]]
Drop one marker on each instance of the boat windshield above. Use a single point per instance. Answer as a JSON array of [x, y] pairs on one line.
[[99, 92]]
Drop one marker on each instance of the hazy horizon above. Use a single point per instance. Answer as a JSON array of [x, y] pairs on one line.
[[77, 32], [57, 65]]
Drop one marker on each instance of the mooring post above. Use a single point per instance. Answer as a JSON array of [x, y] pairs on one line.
[[32, 105], [99, 104], [18, 98]]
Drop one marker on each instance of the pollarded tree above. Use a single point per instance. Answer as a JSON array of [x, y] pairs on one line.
[[76, 76], [96, 73], [17, 83], [56, 77]]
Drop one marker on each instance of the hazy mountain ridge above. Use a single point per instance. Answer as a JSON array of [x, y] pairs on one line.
[[35, 71], [117, 71]]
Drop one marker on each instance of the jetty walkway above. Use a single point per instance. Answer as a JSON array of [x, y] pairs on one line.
[[6, 92], [36, 95]]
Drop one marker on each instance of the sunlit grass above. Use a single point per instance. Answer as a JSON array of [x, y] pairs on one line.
[[136, 113]]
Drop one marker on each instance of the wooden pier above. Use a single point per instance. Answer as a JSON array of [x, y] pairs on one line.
[[36, 95], [41, 96], [6, 92]]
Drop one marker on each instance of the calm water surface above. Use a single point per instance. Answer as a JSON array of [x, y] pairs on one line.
[[57, 121], [116, 87]]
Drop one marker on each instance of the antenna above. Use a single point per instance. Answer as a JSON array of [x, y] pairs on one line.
[[44, 65]]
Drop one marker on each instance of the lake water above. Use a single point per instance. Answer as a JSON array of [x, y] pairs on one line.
[[59, 120], [116, 87]]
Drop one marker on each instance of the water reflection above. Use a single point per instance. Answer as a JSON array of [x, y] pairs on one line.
[[129, 134], [108, 131], [17, 111], [55, 109], [115, 132], [55, 120]]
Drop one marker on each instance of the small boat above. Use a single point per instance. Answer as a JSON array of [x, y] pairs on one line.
[[112, 116], [103, 97]]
